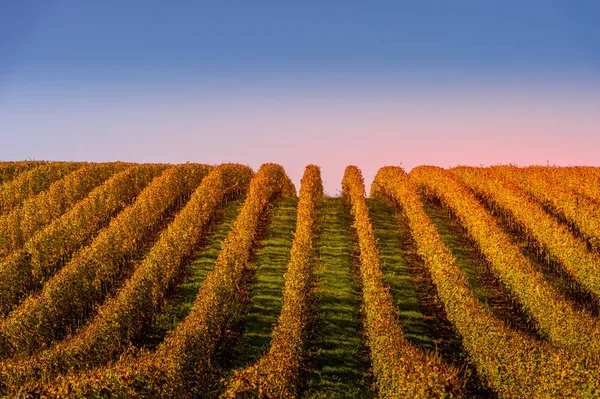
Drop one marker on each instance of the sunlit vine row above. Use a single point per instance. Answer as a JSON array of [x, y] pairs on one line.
[[124, 316], [559, 319], [184, 365], [514, 364], [10, 169], [68, 233], [582, 180], [552, 236], [400, 369], [32, 182], [277, 374], [19, 225], [26, 269], [581, 213], [67, 298]]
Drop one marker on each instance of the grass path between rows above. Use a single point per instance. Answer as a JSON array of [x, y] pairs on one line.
[[178, 308], [553, 271], [266, 286], [341, 368], [487, 288], [397, 273]]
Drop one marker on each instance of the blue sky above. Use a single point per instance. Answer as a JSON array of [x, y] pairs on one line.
[[113, 79], [280, 36]]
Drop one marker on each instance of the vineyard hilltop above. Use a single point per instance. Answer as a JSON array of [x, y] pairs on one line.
[[134, 280]]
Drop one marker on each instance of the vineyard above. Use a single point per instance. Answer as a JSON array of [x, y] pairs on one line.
[[217, 281]]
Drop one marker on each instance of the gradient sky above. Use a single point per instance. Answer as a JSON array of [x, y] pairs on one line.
[[370, 83]]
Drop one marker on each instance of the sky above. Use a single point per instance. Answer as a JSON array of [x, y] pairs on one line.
[[369, 83]]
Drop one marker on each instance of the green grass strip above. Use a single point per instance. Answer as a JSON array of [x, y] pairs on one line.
[[485, 287], [266, 287], [341, 366], [178, 309], [458, 245], [397, 274]]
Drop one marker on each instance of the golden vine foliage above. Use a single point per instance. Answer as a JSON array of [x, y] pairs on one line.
[[554, 237], [68, 233], [581, 213], [32, 182], [556, 317], [22, 222], [183, 366], [74, 297], [514, 364], [401, 370], [582, 180], [123, 316], [24, 270], [66, 300], [276, 374], [10, 169]]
